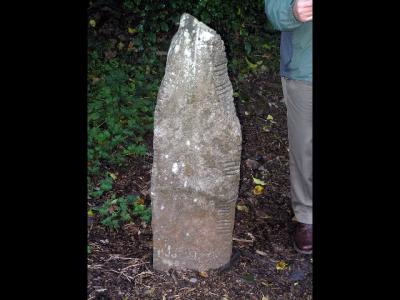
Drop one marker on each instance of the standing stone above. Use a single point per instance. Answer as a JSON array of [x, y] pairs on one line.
[[197, 147]]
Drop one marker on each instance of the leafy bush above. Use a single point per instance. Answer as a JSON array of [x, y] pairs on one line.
[[119, 112], [105, 185], [117, 211]]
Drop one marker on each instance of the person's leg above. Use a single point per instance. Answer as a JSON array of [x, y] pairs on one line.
[[283, 80], [299, 116]]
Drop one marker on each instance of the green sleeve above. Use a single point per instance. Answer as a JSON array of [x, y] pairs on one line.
[[280, 14]]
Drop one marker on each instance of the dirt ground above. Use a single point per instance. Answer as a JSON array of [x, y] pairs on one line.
[[119, 265]]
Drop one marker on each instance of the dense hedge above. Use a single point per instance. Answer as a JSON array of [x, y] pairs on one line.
[[127, 42]]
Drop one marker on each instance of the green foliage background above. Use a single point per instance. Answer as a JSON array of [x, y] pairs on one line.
[[127, 45]]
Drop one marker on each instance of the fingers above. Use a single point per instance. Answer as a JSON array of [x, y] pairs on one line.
[[302, 10]]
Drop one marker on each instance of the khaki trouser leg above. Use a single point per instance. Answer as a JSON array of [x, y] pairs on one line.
[[299, 118]]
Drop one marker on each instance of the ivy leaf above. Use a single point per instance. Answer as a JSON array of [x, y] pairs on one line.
[[164, 26], [247, 47], [92, 23], [250, 64]]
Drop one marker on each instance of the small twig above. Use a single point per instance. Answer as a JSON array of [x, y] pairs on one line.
[[120, 257], [135, 265], [94, 267], [242, 240]]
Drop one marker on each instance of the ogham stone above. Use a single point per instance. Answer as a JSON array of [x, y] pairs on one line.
[[197, 147]]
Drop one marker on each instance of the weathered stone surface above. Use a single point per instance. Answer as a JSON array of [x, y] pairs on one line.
[[197, 147]]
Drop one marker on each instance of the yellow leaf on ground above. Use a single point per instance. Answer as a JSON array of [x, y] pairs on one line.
[[131, 30], [140, 201], [113, 176], [250, 64], [281, 265], [242, 208], [92, 23], [269, 117], [265, 298], [258, 190], [90, 213], [203, 274], [258, 181]]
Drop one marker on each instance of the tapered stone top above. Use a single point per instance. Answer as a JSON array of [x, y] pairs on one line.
[[197, 147]]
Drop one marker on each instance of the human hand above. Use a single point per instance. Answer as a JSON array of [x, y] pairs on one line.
[[302, 10]]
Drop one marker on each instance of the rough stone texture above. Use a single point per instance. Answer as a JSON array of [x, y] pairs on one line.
[[197, 147]]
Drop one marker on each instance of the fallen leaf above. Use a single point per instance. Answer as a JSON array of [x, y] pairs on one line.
[[131, 30], [113, 176], [92, 23], [90, 213], [281, 265], [264, 298], [246, 113], [258, 190], [130, 46], [94, 81], [243, 208], [258, 181], [261, 253], [140, 201], [250, 64], [203, 274], [270, 118]]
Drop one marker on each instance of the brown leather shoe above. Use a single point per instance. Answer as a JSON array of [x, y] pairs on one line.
[[303, 238]]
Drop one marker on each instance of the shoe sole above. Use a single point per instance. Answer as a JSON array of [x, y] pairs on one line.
[[301, 251]]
